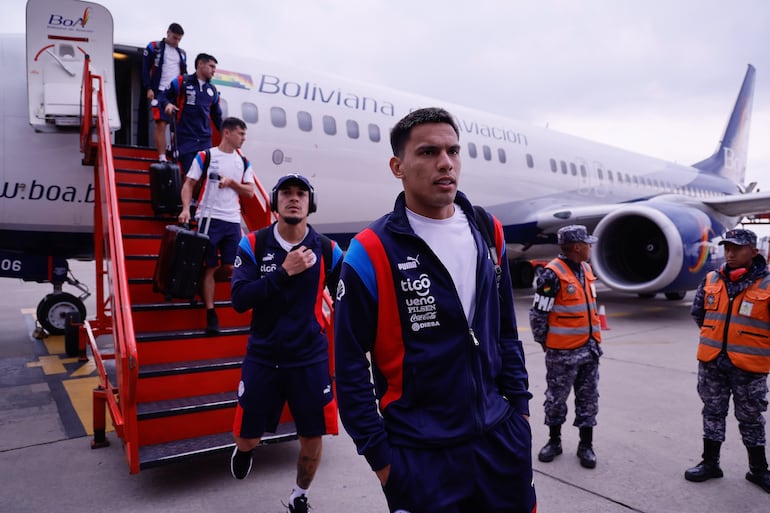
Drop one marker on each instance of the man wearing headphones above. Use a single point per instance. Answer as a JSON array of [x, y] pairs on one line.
[[280, 272]]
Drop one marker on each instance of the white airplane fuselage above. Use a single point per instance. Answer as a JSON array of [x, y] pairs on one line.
[[336, 132]]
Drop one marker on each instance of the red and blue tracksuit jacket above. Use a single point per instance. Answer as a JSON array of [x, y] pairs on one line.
[[198, 109], [152, 64], [287, 311], [439, 380]]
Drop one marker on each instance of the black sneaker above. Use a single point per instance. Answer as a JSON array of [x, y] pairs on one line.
[[240, 463], [212, 322], [298, 505]]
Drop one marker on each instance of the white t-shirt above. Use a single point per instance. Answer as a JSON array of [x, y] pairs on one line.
[[222, 204], [170, 69], [452, 242]]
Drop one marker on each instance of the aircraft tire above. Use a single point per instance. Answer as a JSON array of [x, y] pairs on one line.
[[53, 309], [71, 333], [674, 296]]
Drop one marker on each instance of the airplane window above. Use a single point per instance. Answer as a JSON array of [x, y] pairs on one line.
[[563, 167], [278, 117], [600, 173], [472, 153], [330, 125], [531, 161], [352, 127], [554, 168], [583, 171], [374, 132], [487, 152], [224, 106], [573, 169], [620, 177], [628, 178], [305, 121], [636, 180], [249, 112], [501, 155], [609, 175]]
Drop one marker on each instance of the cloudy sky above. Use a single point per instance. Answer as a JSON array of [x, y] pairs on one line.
[[657, 77]]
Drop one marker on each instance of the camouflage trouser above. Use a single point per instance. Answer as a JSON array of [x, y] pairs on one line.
[[718, 379], [565, 369]]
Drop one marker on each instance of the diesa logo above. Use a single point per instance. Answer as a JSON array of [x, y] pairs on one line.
[[57, 20]]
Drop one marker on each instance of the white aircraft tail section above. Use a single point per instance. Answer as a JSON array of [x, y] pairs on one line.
[[730, 158]]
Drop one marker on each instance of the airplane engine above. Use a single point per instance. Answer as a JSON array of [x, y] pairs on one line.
[[654, 247]]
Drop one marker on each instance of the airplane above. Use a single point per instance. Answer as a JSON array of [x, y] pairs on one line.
[[658, 222]]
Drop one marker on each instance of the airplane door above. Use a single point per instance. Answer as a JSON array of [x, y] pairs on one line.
[[60, 33]]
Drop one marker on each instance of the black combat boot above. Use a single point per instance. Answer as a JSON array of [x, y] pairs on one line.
[[758, 473], [553, 447], [585, 450], [709, 467]]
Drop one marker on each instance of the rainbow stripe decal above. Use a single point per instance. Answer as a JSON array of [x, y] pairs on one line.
[[232, 79], [703, 252]]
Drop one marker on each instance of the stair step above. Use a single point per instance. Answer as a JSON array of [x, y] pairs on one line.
[[187, 367], [159, 336], [185, 405], [178, 450]]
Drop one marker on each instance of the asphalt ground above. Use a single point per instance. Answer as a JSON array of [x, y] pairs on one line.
[[648, 433]]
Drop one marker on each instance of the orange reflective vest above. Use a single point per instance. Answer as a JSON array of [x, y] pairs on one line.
[[740, 326], [574, 318]]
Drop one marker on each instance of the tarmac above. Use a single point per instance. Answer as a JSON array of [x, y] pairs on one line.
[[648, 433]]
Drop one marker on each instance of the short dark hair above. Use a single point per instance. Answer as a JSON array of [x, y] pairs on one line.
[[204, 57], [176, 28], [232, 123], [403, 129]]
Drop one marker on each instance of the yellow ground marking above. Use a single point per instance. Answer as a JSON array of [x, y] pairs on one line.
[[80, 392], [54, 344], [84, 370], [52, 364]]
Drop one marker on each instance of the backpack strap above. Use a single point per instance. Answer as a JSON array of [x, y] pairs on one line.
[[487, 228], [327, 252], [258, 239], [245, 162]]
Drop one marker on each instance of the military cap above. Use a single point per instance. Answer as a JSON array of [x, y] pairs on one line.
[[740, 237], [574, 233]]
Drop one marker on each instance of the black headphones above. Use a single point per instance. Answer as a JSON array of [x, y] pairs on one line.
[[312, 206]]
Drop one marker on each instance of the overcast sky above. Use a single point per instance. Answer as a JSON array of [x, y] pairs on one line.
[[657, 77]]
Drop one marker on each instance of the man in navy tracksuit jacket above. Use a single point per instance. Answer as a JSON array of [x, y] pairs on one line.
[[162, 62], [447, 431], [195, 101], [280, 273]]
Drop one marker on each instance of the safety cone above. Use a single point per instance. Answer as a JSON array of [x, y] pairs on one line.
[[603, 318]]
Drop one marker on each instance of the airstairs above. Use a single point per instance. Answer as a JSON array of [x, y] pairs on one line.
[[170, 389]]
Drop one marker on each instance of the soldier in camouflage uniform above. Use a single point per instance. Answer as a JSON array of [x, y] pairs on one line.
[[565, 322], [732, 308]]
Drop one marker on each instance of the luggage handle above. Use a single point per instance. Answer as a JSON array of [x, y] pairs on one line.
[[172, 129], [204, 228]]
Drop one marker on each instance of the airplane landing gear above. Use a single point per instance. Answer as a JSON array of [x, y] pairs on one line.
[[53, 309]]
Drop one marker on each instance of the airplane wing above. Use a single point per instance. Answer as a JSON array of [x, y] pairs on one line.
[[550, 220], [741, 204]]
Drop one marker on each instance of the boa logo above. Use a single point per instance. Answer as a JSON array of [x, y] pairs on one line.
[[57, 20]]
